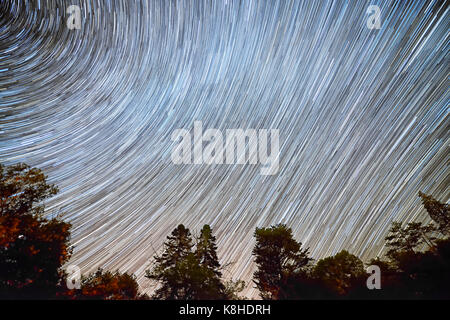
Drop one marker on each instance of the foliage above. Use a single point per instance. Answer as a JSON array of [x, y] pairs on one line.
[[206, 253], [233, 288], [419, 255], [107, 285], [22, 188], [340, 272], [183, 273], [33, 249], [277, 255], [409, 239], [438, 212]]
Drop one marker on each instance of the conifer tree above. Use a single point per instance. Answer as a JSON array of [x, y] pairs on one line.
[[437, 211], [187, 274], [170, 268], [206, 251]]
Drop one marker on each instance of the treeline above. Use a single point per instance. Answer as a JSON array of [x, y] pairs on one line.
[[35, 249]]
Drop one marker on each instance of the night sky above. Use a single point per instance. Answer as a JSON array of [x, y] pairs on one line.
[[363, 117]]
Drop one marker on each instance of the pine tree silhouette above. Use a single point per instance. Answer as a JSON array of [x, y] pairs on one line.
[[170, 268], [206, 251]]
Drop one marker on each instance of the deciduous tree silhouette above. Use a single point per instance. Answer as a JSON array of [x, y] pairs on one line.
[[420, 253], [107, 285], [32, 248], [22, 188], [341, 272]]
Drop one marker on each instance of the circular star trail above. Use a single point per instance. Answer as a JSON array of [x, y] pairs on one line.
[[363, 117]]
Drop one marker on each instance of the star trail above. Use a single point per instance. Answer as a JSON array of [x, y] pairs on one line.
[[362, 114]]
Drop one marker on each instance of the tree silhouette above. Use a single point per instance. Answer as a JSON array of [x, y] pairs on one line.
[[304, 286], [168, 267], [107, 285], [417, 237], [340, 273], [32, 248], [206, 252], [21, 190], [437, 211], [277, 255], [420, 254], [233, 288], [409, 239], [185, 274]]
